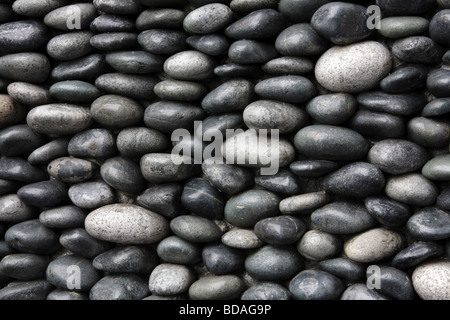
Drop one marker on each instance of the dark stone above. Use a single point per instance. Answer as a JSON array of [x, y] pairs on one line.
[[87, 69], [300, 40], [123, 174], [69, 216], [44, 194], [93, 143], [234, 70], [399, 7], [135, 62], [397, 104], [180, 90], [219, 123], [283, 182], [162, 41], [26, 290], [429, 223], [160, 18], [195, 229], [323, 286], [313, 168], [409, 78], [135, 142], [359, 179], [92, 194], [9, 186], [344, 268], [18, 169], [259, 24], [342, 23], [62, 18], [31, 236], [212, 44], [300, 10], [416, 253], [439, 25], [70, 45], [112, 23], [118, 7], [332, 109], [228, 178], [418, 49], [200, 197], [412, 188], [443, 200], [220, 259], [388, 212], [177, 250], [360, 291], [19, 140], [23, 36], [438, 82], [281, 230], [127, 259], [25, 266], [164, 199], [437, 107], [428, 132], [54, 149], [71, 170], [74, 92], [378, 125], [284, 66], [291, 89], [139, 87], [111, 41], [343, 217], [230, 96], [117, 111], [395, 283], [266, 291], [79, 242], [251, 51], [67, 295], [28, 67]]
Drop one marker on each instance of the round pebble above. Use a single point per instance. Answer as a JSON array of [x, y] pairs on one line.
[[430, 280]]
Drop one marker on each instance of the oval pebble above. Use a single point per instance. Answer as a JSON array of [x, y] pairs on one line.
[[171, 279], [195, 229], [429, 224], [14, 210], [209, 18], [119, 287], [69, 216], [174, 249], [266, 291], [223, 287], [242, 239], [91, 194], [280, 230], [74, 91], [189, 65], [71, 170], [430, 280], [411, 188], [116, 111], [29, 67], [318, 245], [69, 46], [437, 168], [315, 285]]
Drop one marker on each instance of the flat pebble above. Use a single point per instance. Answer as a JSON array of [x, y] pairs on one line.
[[135, 142], [251, 51], [26, 290], [74, 92], [373, 245], [24, 266], [412, 188], [189, 65], [221, 259], [224, 287], [111, 23], [315, 285], [274, 263], [291, 89], [69, 216], [29, 67], [117, 111], [92, 194], [161, 167], [353, 68], [174, 249], [126, 224], [71, 170], [71, 45], [134, 62], [429, 133], [395, 283], [44, 194], [259, 24], [397, 104], [209, 18], [233, 70], [92, 143], [23, 36], [430, 280], [318, 245], [171, 279], [66, 295], [416, 253], [195, 229], [119, 287], [242, 239], [160, 18], [79, 242], [402, 27], [388, 212], [283, 182], [418, 49], [266, 291], [344, 268], [61, 18], [54, 149], [134, 86], [429, 224], [19, 140]]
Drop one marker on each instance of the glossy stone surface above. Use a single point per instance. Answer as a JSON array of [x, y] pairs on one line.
[[321, 286]]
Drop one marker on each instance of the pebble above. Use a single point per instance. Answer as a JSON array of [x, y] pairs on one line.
[[300, 10], [235, 70], [36, 8], [242, 239], [412, 188], [71, 170], [18, 169], [211, 44], [219, 123], [356, 68], [12, 111], [404, 79], [209, 18], [118, 7], [126, 224], [266, 291], [360, 291], [251, 52], [220, 259], [139, 87], [123, 174], [343, 217], [316, 285], [66, 295], [273, 114], [274, 263], [69, 216], [443, 200], [112, 23], [397, 7], [62, 19], [135, 142], [405, 104], [245, 209], [281, 230], [177, 90], [19, 140], [438, 82], [164, 199], [171, 279], [92, 143], [378, 125], [160, 18], [428, 132], [195, 229], [31, 236], [24, 266], [14, 210], [344, 268], [162, 41], [437, 168], [247, 6], [418, 49], [86, 68], [304, 203], [402, 26], [437, 107], [71, 45], [74, 92], [416, 253], [26, 290], [290, 89], [117, 111], [283, 182], [312, 168], [430, 280], [230, 179], [59, 119], [9, 186], [326, 142], [50, 193], [29, 67], [201, 198], [189, 65], [134, 62], [331, 22], [428, 224], [398, 156], [161, 167], [388, 212], [300, 40], [438, 26], [288, 66], [119, 287], [395, 283], [332, 109], [259, 24], [111, 41], [92, 194], [174, 249], [373, 245], [223, 287], [318, 245], [230, 96], [79, 242], [23, 36]]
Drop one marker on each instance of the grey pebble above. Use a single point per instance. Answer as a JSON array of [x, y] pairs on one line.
[[189, 65], [288, 65], [14, 210], [266, 291], [28, 94], [388, 212], [283, 182], [380, 125], [209, 18], [416, 253], [303, 203], [66, 295], [12, 110], [281, 230], [29, 67], [291, 89], [135, 142], [92, 194], [247, 6], [251, 52], [195, 229], [428, 224], [402, 27], [24, 266], [69, 216], [300, 10], [117, 111], [160, 167], [139, 87], [318, 245], [301, 40], [123, 174], [171, 279], [79, 242], [242, 239], [118, 7], [71, 45], [360, 291], [71, 170], [223, 287], [177, 90], [430, 280], [119, 287], [92, 143], [44, 194], [164, 198], [26, 290], [19, 140], [111, 41], [86, 68], [18, 169], [344, 268], [395, 283], [412, 188], [418, 49], [174, 249], [23, 36], [61, 18], [230, 96], [134, 62], [429, 133], [405, 104], [333, 109], [36, 8], [112, 23], [229, 179], [211, 44], [321, 286], [162, 41], [437, 168], [160, 18], [74, 92], [258, 24]]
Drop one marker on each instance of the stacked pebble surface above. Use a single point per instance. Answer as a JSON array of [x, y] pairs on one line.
[[94, 205]]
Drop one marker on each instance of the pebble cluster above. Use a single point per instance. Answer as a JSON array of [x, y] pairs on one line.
[[92, 206]]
